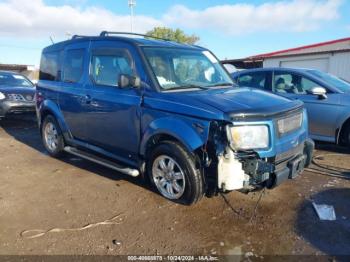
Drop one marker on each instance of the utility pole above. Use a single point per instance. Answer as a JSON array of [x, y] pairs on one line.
[[132, 4]]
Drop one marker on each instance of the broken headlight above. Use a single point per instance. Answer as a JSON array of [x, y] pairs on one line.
[[249, 137]]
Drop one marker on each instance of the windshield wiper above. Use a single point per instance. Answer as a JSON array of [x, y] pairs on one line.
[[221, 84], [188, 87]]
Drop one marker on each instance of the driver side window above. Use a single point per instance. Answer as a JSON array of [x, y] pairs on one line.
[[106, 68], [308, 85], [291, 83]]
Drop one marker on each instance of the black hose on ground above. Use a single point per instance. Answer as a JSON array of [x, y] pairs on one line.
[[328, 170]]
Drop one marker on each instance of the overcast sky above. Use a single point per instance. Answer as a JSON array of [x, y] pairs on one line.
[[231, 29]]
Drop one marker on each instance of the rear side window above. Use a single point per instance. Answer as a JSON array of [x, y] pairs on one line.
[[255, 80], [50, 66], [106, 67], [73, 65]]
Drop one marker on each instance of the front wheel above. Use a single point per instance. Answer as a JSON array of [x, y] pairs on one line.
[[52, 137], [173, 172]]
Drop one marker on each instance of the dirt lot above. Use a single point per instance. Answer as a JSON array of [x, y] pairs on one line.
[[39, 192]]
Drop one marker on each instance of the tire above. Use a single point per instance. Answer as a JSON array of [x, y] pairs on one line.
[[52, 137], [346, 136], [172, 171]]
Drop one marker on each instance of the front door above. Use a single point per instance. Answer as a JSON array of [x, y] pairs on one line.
[[322, 112], [73, 96], [113, 122]]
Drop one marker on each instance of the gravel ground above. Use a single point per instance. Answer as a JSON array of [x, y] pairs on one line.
[[39, 192]]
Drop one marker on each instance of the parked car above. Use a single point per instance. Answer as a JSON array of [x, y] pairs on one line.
[[326, 97], [167, 111], [16, 94]]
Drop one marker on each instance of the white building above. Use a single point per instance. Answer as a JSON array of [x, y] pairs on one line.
[[27, 70], [331, 57]]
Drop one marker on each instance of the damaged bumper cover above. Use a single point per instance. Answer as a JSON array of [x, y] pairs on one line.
[[248, 172]]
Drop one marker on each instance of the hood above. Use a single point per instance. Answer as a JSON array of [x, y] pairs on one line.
[[17, 90], [226, 103], [242, 100]]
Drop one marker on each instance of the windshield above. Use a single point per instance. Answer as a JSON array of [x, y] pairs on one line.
[[332, 80], [177, 68], [14, 80]]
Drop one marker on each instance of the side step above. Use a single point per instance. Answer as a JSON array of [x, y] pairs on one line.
[[101, 161]]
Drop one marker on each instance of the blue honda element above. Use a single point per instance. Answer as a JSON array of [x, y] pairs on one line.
[[167, 112]]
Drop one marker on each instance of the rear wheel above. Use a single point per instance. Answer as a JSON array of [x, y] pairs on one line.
[[52, 136], [172, 171]]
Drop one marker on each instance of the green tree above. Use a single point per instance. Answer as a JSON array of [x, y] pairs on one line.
[[176, 35]]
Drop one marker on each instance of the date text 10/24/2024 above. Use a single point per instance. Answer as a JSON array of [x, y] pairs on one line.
[[172, 258]]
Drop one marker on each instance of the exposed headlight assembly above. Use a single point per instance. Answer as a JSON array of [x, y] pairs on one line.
[[2, 96], [247, 137]]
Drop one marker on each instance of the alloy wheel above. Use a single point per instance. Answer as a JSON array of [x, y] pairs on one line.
[[168, 177]]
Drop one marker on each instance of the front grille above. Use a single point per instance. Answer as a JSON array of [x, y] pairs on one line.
[[19, 97], [289, 154], [15, 97], [289, 123]]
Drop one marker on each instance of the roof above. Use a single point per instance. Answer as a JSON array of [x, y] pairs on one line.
[[323, 47], [139, 41]]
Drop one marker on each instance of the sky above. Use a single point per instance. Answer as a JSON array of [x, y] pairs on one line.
[[230, 28]]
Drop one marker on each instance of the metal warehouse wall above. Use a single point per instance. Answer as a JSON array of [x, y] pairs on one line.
[[335, 63]]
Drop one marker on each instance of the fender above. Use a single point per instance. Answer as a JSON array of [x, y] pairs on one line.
[[52, 107], [192, 133]]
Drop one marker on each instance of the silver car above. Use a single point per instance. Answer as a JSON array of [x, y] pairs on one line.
[[326, 97]]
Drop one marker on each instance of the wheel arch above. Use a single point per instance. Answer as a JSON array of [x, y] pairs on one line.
[[340, 132], [50, 108], [173, 129]]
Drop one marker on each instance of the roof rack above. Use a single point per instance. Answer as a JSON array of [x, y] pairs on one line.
[[107, 33], [78, 36]]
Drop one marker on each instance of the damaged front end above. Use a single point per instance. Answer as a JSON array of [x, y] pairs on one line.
[[277, 157], [248, 172]]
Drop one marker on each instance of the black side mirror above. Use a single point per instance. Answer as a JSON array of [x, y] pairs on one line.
[[125, 81]]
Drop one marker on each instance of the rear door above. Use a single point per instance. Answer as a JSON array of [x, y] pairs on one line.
[[113, 121], [322, 113], [260, 80], [73, 96]]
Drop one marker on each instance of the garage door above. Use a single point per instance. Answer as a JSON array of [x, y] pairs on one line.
[[319, 64]]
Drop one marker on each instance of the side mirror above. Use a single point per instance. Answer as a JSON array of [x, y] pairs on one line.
[[320, 92], [125, 81]]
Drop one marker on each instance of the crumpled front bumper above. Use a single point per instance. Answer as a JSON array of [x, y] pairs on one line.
[[248, 172], [16, 107], [291, 167]]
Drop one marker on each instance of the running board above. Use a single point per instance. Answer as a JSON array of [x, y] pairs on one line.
[[101, 161]]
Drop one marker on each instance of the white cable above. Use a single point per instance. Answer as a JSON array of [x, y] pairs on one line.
[[34, 233]]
